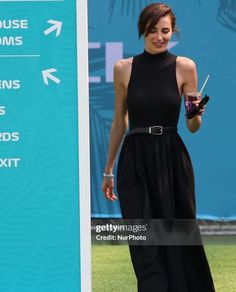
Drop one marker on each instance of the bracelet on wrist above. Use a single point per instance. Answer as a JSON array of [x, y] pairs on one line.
[[110, 175]]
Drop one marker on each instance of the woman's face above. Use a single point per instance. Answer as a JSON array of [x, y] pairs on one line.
[[158, 38]]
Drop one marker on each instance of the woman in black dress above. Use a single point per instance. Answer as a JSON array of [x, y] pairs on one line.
[[155, 176]]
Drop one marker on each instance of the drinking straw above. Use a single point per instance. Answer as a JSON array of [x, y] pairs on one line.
[[203, 86]]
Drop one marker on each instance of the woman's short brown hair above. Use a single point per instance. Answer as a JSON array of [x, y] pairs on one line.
[[151, 14]]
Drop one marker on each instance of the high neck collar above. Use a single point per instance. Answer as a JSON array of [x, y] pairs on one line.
[[157, 57]]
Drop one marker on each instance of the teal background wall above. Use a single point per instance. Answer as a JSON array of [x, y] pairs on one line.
[[39, 214], [208, 36]]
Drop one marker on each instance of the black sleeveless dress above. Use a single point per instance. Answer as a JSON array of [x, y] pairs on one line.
[[155, 178]]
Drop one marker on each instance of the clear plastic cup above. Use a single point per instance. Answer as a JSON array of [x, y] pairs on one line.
[[189, 98]]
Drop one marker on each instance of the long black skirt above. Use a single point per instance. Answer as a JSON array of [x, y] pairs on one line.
[[155, 179]]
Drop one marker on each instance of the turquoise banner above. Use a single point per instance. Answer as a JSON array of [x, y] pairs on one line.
[[39, 217], [208, 36]]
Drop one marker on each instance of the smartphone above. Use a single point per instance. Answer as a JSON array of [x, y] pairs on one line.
[[195, 110]]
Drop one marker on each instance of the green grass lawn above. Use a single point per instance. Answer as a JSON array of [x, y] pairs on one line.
[[112, 270]]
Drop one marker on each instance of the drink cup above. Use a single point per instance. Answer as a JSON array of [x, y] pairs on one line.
[[189, 98]]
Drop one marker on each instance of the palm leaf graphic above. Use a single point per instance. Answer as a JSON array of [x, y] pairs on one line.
[[227, 14], [127, 7]]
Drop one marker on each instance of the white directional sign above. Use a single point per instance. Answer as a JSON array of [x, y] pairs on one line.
[[39, 160]]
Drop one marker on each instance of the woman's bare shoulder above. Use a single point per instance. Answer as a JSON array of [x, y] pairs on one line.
[[122, 70], [185, 64], [123, 64]]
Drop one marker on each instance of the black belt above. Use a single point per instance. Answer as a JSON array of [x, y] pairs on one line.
[[154, 130]]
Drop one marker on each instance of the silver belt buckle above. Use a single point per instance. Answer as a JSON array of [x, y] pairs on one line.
[[155, 130]]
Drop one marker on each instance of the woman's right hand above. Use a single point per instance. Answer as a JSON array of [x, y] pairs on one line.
[[107, 188]]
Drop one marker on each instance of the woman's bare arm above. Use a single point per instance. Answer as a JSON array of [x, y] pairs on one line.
[[120, 120], [118, 128], [189, 75]]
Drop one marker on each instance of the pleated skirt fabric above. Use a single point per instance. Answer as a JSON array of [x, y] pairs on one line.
[[155, 179]]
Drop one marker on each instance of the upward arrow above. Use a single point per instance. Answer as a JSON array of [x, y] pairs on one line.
[[56, 26], [47, 75]]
